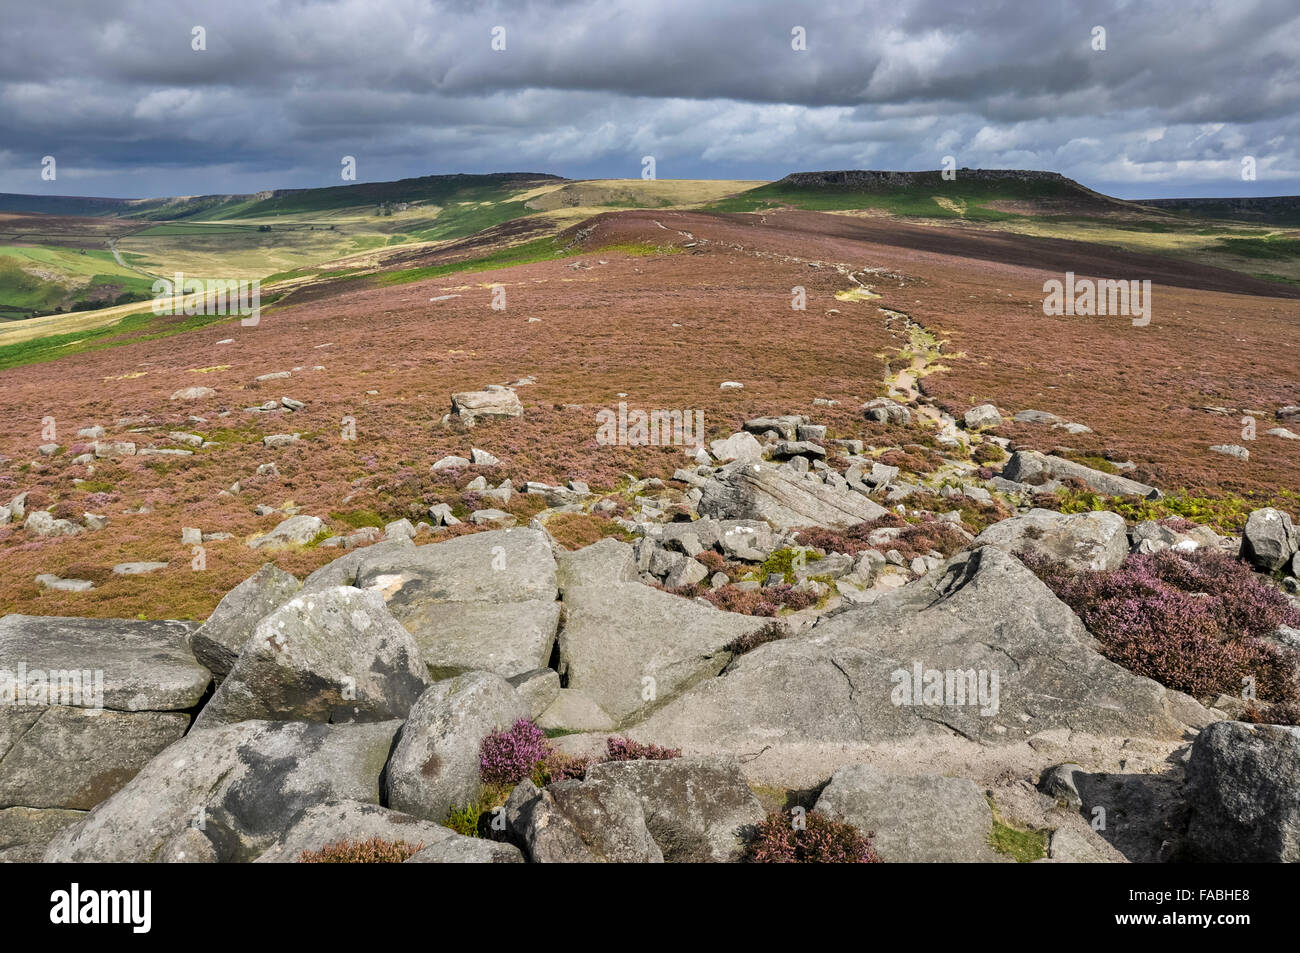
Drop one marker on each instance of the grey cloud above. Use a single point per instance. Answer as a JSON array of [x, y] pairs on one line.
[[587, 86]]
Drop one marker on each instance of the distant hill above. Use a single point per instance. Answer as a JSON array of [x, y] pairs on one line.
[[1281, 210], [429, 189], [970, 194]]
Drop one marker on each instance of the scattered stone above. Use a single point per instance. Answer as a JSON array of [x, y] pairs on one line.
[[1269, 540], [1029, 466], [886, 411], [193, 393], [473, 406], [295, 531], [51, 581], [1231, 450], [985, 415], [137, 569]]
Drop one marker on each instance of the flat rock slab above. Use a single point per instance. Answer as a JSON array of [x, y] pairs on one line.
[[505, 638], [852, 678], [74, 758], [629, 647], [765, 492], [146, 666], [512, 565], [228, 793], [924, 819], [485, 602], [336, 821], [1091, 541]]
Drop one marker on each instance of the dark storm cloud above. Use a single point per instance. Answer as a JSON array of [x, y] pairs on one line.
[[284, 89]]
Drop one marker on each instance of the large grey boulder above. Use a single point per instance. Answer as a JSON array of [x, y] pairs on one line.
[[917, 820], [473, 406], [594, 821], [1030, 466], [984, 415], [335, 655], [1243, 793], [73, 758], [762, 491], [1080, 540], [739, 446], [295, 531], [335, 821], [852, 678], [218, 641], [1269, 540], [230, 791], [435, 766], [485, 602], [146, 666], [886, 411], [696, 809], [629, 647]]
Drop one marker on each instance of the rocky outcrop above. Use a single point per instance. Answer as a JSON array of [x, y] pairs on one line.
[[594, 821], [980, 649], [760, 491], [698, 810], [629, 648], [1030, 466], [336, 821], [218, 641]]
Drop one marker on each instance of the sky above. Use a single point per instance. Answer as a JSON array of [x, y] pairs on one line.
[[147, 98]]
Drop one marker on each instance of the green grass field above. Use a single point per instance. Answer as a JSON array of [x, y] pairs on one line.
[[36, 279]]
